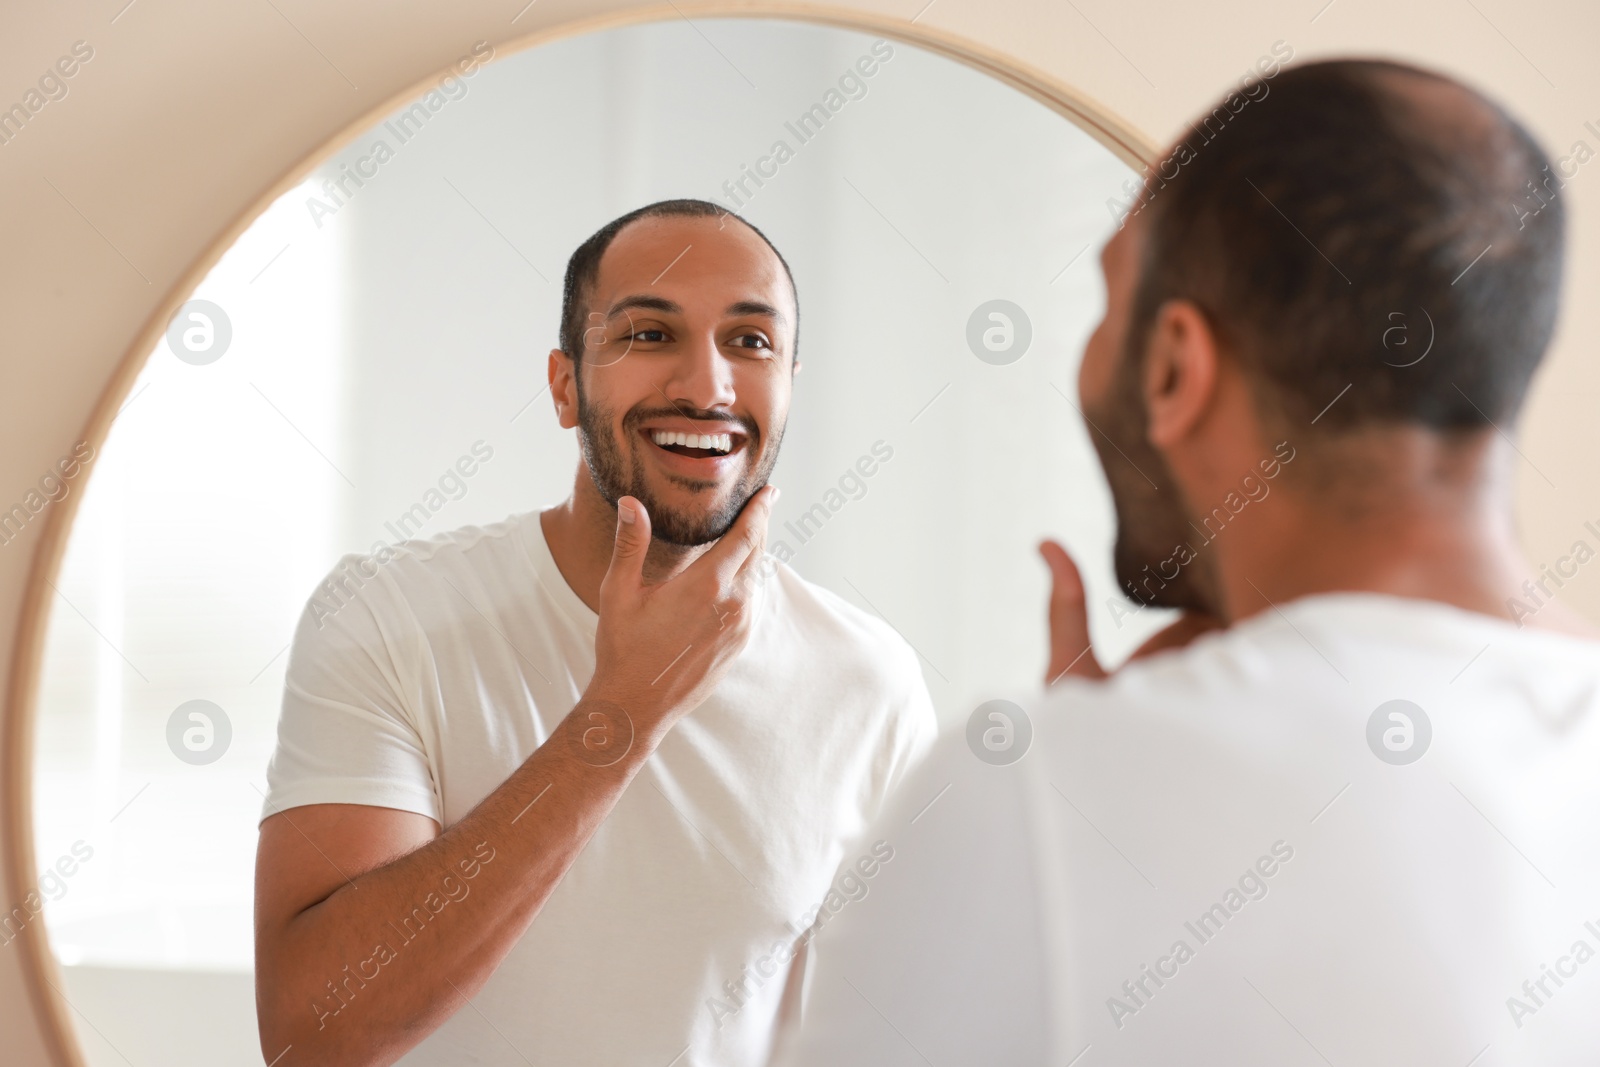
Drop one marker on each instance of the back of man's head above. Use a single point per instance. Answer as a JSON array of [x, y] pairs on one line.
[[1358, 215]]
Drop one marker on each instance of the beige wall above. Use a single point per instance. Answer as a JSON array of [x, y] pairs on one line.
[[113, 198]]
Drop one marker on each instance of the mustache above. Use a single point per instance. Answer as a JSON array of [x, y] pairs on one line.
[[641, 414]]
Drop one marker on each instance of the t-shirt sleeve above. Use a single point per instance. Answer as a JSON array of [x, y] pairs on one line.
[[938, 959], [914, 728], [348, 732]]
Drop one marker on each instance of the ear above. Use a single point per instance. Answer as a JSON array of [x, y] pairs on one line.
[[1180, 373], [563, 375]]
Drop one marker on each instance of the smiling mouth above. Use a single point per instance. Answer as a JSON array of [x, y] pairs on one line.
[[696, 446]]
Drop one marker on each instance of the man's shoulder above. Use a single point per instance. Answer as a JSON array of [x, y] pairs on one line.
[[413, 571], [825, 616], [1312, 670], [487, 546], [476, 544], [1274, 662]]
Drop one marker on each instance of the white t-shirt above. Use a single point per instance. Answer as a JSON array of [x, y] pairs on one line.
[[435, 675], [1214, 828]]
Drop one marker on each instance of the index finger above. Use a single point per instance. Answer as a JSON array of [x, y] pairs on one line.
[[744, 538]]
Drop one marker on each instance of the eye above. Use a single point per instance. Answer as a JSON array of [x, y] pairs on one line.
[[750, 340], [647, 336]]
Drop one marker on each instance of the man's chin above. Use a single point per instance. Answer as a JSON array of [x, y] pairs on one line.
[[682, 532], [1142, 574], [690, 523], [1147, 583]]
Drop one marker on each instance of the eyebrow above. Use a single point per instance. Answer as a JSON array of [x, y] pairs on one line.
[[646, 303], [656, 303], [754, 307]]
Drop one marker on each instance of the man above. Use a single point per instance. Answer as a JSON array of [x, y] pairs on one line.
[[562, 789], [1357, 826]]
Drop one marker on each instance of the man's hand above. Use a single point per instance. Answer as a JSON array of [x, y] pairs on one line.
[[1070, 650], [661, 649], [1071, 653]]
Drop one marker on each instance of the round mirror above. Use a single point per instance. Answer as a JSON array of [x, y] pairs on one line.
[[367, 364]]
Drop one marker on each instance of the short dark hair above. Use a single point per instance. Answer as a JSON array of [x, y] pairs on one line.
[[1353, 191], [584, 266]]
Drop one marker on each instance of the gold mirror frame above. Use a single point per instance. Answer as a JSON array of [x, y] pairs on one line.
[[40, 970]]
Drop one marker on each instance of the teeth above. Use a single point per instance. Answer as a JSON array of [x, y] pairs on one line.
[[720, 442]]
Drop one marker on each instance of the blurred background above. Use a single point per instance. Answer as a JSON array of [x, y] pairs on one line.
[[943, 230]]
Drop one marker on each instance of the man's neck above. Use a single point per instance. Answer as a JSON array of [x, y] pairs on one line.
[[581, 532], [1431, 528]]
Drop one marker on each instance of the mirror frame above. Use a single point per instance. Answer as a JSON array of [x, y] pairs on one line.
[[39, 966]]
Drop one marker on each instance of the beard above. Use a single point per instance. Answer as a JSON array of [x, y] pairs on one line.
[[619, 470], [1154, 558]]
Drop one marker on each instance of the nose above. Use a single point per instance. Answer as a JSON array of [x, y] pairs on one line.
[[701, 377]]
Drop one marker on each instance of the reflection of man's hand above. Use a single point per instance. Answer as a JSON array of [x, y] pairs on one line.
[[1071, 654], [661, 648]]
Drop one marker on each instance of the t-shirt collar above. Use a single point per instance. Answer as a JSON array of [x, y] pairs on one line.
[[549, 575]]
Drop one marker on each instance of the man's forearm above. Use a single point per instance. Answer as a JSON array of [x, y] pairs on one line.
[[365, 974]]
